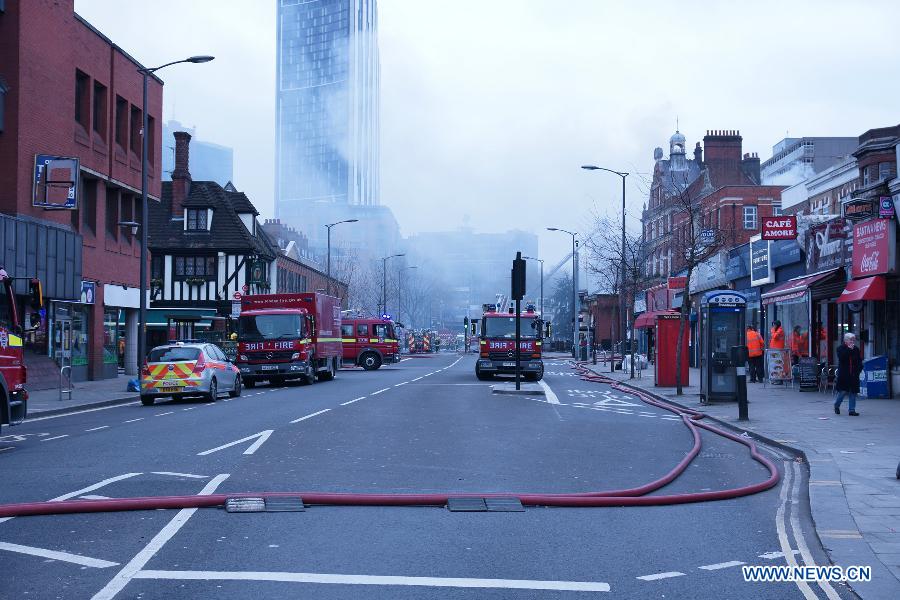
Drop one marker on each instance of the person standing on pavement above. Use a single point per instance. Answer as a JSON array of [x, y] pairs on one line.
[[755, 345], [799, 345], [849, 360], [776, 336]]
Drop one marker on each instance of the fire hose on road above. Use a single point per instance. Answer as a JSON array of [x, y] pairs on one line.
[[625, 497]]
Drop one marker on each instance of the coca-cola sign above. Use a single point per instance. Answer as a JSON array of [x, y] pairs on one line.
[[873, 247]]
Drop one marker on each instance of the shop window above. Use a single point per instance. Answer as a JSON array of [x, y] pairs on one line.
[[82, 99], [121, 122], [750, 217], [111, 336], [99, 113]]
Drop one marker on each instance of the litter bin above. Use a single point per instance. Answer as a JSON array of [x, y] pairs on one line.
[[876, 381]]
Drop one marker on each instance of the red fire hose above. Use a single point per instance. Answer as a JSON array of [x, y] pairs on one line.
[[626, 497]]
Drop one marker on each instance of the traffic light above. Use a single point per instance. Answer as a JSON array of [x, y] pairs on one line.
[[518, 277], [466, 321], [37, 295]]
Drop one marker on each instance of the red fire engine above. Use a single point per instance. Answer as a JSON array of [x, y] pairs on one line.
[[369, 343], [497, 343], [289, 336], [13, 396]]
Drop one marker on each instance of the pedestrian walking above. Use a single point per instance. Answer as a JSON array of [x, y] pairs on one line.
[[755, 346], [849, 361]]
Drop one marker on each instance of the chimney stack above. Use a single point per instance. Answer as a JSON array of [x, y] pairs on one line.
[[698, 154], [181, 176], [751, 167]]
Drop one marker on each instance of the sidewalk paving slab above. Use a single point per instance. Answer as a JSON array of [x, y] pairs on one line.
[[853, 490], [85, 394]]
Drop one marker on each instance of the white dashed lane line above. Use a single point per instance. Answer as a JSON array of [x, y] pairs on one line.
[[379, 391], [310, 416], [399, 384], [98, 428], [724, 565], [657, 576], [49, 439], [164, 414], [133, 420], [352, 401]]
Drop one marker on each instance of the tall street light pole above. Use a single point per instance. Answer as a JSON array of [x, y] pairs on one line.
[[384, 281], [399, 289], [622, 314], [145, 219], [328, 260], [540, 260], [574, 234]]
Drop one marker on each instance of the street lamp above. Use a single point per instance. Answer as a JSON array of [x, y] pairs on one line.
[[574, 234], [142, 312], [399, 283], [328, 272], [540, 260], [384, 280], [623, 317]]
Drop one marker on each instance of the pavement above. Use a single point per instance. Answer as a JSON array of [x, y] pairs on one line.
[[853, 488], [418, 426], [85, 394]]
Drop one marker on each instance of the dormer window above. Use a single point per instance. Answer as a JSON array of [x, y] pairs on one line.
[[196, 219]]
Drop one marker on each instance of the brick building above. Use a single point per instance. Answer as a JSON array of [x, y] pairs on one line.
[[69, 92]]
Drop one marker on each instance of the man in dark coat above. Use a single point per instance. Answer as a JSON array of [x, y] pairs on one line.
[[849, 366]]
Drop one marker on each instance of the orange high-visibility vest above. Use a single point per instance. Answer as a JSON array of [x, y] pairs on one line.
[[776, 338], [755, 344], [800, 344]]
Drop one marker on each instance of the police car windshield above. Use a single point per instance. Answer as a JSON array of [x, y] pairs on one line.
[[505, 327], [271, 327], [173, 354]]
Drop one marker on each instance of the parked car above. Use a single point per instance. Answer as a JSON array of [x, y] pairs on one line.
[[179, 370]]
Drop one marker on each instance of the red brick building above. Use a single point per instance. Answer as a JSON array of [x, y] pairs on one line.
[[68, 91]]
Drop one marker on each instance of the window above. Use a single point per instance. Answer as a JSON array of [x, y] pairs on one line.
[[82, 99], [89, 205], [121, 122], [885, 171], [865, 176], [347, 330], [776, 209], [99, 113], [381, 330], [750, 217], [362, 330], [136, 130], [196, 219], [195, 266], [157, 266], [112, 214], [3, 90], [125, 215], [151, 139]]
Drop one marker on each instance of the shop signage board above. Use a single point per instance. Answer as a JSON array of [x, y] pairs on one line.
[[677, 283], [874, 247], [235, 309], [858, 210], [828, 245], [886, 207], [760, 266], [779, 228], [88, 290], [778, 364], [809, 372]]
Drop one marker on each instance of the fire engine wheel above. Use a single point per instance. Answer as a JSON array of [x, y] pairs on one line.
[[213, 391], [236, 392], [370, 361], [483, 376], [147, 400]]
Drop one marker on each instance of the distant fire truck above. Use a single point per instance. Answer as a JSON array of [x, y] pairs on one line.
[[369, 342], [421, 341], [13, 373], [289, 336], [497, 343]]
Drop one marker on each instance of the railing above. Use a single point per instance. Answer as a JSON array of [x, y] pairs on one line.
[[65, 374]]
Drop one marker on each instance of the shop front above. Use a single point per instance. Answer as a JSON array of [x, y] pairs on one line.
[[166, 325], [70, 327]]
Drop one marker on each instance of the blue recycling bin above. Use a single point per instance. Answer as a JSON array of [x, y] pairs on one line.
[[877, 382]]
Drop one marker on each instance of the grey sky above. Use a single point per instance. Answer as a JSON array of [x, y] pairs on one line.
[[490, 106]]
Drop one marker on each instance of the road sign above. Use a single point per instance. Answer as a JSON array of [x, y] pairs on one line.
[[707, 236], [236, 296]]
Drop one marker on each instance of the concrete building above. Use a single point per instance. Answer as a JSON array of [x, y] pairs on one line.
[[796, 159], [70, 173], [209, 162]]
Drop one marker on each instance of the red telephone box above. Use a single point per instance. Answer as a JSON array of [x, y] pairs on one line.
[[666, 343]]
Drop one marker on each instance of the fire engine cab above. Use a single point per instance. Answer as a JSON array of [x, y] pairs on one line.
[[13, 396], [369, 342], [497, 343]]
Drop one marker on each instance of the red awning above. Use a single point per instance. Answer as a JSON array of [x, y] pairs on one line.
[[870, 288], [648, 319], [794, 288]]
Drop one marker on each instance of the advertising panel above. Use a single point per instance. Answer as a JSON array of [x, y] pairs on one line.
[[873, 247], [778, 364], [760, 266], [828, 245]]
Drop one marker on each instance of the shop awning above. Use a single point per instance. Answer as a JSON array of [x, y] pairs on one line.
[[648, 319], [159, 317], [796, 287], [870, 288]]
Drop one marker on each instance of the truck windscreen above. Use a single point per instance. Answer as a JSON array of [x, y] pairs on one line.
[[505, 327], [254, 328]]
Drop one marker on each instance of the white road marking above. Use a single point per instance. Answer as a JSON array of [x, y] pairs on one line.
[[352, 401], [94, 487], [133, 420], [771, 555], [262, 437], [188, 475], [417, 379], [392, 580], [551, 396], [798, 535], [379, 391], [399, 384], [189, 408], [656, 576], [164, 414], [78, 412], [781, 528], [98, 428], [56, 437], [724, 565], [310, 416], [7, 448], [77, 559], [118, 583], [94, 497]]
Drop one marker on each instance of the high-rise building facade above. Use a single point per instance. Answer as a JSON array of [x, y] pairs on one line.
[[327, 130]]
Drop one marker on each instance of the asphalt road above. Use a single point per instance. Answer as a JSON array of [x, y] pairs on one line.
[[424, 425]]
